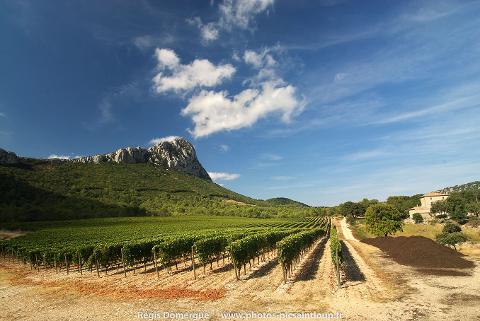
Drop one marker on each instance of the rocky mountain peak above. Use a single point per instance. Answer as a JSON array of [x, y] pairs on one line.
[[175, 153], [7, 157]]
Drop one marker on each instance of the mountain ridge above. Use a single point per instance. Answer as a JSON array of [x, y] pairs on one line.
[[285, 201], [475, 185], [173, 152], [131, 181]]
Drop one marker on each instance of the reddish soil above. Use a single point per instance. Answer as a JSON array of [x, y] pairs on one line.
[[117, 291], [420, 252]]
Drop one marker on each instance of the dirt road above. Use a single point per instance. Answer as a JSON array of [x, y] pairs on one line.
[[347, 232], [390, 291], [373, 288]]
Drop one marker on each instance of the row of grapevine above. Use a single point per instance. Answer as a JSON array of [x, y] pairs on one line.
[[209, 249], [248, 248], [336, 251], [292, 248], [167, 249], [207, 246]]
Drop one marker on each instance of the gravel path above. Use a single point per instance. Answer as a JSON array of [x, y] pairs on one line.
[[347, 232]]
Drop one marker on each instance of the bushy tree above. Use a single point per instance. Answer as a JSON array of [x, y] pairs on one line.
[[366, 202], [438, 208], [417, 218], [451, 239], [352, 209], [451, 235], [383, 219], [451, 228], [404, 203], [456, 208], [474, 208]]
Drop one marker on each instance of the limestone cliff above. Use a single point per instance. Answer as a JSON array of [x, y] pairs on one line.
[[8, 157], [175, 153]]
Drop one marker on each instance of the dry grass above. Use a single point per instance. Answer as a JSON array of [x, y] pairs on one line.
[[473, 234], [359, 231], [425, 230], [431, 230]]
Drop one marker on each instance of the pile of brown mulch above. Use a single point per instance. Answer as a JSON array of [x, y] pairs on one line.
[[420, 252]]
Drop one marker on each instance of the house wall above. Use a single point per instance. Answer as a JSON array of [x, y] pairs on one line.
[[428, 200], [426, 205]]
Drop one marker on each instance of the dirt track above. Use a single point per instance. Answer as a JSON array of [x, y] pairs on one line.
[[374, 288]]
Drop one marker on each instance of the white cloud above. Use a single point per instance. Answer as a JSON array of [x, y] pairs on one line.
[[339, 76], [262, 59], [159, 140], [3, 115], [111, 100], [167, 58], [240, 13], [233, 14], [224, 147], [213, 112], [219, 176], [199, 73], [105, 107], [236, 56], [146, 42], [55, 156], [208, 32], [462, 97], [264, 62]]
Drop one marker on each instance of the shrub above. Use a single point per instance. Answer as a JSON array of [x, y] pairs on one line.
[[417, 218], [474, 221], [451, 228]]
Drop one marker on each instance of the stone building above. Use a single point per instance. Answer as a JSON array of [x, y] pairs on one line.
[[426, 204]]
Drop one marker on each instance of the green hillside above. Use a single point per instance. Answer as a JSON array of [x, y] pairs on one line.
[[285, 201], [44, 190], [472, 186]]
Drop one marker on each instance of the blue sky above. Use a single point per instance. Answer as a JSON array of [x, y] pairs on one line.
[[321, 101]]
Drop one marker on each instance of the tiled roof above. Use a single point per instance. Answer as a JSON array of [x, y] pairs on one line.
[[431, 194]]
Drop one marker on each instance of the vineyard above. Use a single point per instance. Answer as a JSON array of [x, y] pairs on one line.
[[128, 244]]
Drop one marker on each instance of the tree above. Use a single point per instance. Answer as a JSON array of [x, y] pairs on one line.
[[383, 219], [332, 211], [417, 218], [474, 208], [438, 208], [404, 203], [352, 209], [451, 235], [456, 208], [451, 239], [366, 202], [451, 228]]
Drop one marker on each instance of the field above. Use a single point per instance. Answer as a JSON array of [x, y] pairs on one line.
[[373, 287], [111, 244], [71, 233]]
